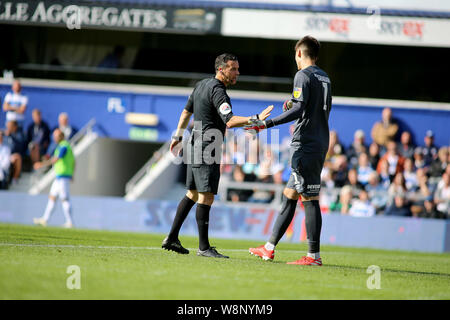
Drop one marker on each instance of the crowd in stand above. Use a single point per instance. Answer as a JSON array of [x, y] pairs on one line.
[[21, 147], [386, 177]]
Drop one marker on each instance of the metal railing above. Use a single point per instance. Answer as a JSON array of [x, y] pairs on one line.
[[226, 185], [332, 194], [157, 155]]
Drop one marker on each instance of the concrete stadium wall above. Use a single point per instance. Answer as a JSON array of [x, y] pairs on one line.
[[156, 216], [84, 104]]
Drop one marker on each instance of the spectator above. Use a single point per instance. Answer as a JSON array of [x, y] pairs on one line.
[[430, 151], [385, 178], [66, 128], [419, 161], [397, 187], [442, 196], [278, 174], [386, 130], [400, 207], [236, 156], [15, 139], [335, 147], [15, 105], [429, 211], [344, 203], [237, 195], [376, 192], [340, 169], [364, 169], [263, 196], [327, 177], [374, 155], [265, 175], [362, 207], [38, 136], [395, 161], [422, 182], [410, 175], [353, 181], [357, 147], [406, 146], [448, 155], [113, 59], [421, 195], [5, 162], [439, 165]]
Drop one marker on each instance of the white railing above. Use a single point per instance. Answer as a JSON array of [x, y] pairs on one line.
[[157, 155]]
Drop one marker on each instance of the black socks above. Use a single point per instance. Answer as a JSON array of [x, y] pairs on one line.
[[202, 216], [283, 220], [313, 222], [183, 209]]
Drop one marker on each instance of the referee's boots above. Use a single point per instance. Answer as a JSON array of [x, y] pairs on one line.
[[211, 252], [173, 245]]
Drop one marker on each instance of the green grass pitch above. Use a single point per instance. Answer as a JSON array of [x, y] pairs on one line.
[[118, 265]]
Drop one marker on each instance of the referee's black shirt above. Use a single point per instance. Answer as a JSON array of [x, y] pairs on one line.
[[210, 104]]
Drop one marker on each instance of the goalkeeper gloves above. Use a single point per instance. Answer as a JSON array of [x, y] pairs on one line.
[[255, 125], [287, 105]]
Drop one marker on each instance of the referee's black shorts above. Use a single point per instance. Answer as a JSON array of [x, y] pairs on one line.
[[203, 177], [306, 170]]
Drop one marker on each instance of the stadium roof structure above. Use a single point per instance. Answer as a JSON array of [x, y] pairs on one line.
[[284, 5], [383, 23]]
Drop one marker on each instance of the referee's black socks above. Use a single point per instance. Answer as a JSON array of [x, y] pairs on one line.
[[313, 223], [183, 209], [202, 216]]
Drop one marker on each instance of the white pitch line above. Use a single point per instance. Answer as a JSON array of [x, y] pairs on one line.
[[94, 247], [70, 246]]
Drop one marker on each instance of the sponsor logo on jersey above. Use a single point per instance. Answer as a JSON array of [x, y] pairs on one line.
[[225, 108], [297, 92]]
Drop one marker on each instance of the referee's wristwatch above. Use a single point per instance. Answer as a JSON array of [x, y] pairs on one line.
[[177, 138]]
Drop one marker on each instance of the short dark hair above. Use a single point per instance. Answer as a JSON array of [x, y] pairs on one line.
[[221, 61], [309, 46]]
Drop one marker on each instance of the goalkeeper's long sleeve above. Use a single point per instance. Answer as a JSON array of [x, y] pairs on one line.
[[292, 114]]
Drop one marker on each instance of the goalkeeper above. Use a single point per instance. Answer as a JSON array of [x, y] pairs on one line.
[[310, 107]]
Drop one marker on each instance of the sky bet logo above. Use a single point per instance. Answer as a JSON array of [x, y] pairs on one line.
[[340, 26], [411, 29]]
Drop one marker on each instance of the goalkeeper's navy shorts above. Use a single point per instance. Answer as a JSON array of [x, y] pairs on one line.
[[203, 177], [306, 170]]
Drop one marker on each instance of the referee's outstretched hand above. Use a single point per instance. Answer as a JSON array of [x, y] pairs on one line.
[[265, 113]]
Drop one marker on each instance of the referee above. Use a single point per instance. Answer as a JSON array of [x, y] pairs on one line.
[[309, 107], [211, 106]]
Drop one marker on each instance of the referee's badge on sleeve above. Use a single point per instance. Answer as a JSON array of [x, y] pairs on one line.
[[225, 108], [297, 92]]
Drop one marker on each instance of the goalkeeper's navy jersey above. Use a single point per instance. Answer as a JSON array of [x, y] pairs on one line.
[[311, 99]]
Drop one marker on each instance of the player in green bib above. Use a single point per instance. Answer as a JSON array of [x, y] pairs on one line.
[[63, 162]]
